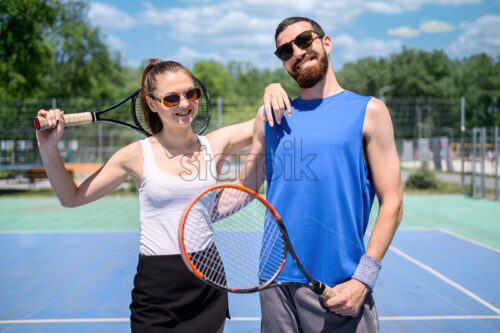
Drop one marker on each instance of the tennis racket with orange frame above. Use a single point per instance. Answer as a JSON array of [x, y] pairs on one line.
[[234, 240]]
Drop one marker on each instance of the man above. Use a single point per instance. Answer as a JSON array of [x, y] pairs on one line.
[[323, 167]]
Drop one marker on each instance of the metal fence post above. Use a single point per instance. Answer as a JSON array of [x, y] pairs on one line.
[[483, 157], [462, 142], [496, 163], [99, 141], [219, 112], [473, 163]]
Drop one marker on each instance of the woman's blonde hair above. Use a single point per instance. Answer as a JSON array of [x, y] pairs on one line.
[[155, 68]]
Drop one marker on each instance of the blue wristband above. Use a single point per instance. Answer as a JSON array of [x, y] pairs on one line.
[[367, 271]]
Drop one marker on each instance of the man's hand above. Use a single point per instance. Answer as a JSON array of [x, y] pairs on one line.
[[350, 296], [276, 100]]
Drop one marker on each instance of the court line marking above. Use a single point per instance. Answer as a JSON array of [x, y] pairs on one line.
[[59, 231], [417, 229], [401, 318], [445, 279], [451, 233], [118, 320], [438, 318], [470, 240], [59, 321]]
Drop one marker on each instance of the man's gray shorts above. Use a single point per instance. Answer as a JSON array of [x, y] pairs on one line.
[[295, 308]]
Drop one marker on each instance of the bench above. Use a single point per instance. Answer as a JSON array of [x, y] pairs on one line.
[[38, 173]]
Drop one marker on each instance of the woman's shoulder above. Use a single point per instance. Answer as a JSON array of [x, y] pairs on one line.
[[212, 136], [216, 139], [130, 152], [135, 146]]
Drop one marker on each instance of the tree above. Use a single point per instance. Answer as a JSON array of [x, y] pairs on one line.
[[281, 75], [366, 76], [25, 53], [83, 65], [478, 80], [24, 56], [213, 76], [48, 49], [417, 73]]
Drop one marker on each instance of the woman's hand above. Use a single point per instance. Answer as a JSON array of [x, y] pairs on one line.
[[50, 137], [276, 100]]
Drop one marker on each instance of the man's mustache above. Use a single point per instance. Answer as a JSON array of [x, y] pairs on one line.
[[312, 55]]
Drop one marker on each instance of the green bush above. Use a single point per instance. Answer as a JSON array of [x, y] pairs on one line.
[[422, 178]]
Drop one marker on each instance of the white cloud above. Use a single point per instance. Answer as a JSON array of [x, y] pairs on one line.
[[188, 56], [109, 17], [435, 27], [348, 49], [401, 6], [227, 17], [430, 27], [153, 16], [405, 32], [244, 30], [454, 2], [479, 36], [116, 43], [388, 7], [203, 14]]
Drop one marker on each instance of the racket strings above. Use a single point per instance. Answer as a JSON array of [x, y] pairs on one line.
[[200, 122], [139, 115], [210, 264], [270, 256], [237, 252]]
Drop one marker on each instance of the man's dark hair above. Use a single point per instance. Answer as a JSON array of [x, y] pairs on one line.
[[292, 20]]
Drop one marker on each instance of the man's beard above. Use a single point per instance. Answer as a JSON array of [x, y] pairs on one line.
[[308, 77]]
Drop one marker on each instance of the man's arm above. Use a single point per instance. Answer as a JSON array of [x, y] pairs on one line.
[[382, 159]]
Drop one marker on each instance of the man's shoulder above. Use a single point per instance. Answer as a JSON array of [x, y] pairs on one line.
[[352, 95], [345, 96]]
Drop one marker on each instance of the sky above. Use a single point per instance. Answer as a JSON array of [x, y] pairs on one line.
[[223, 30]]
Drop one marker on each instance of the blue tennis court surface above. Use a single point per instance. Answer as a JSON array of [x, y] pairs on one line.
[[432, 281]]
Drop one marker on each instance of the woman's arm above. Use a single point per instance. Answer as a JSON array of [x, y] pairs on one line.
[[231, 138], [102, 182], [228, 139]]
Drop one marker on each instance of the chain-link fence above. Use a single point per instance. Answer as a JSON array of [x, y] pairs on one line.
[[87, 143], [426, 129], [479, 150]]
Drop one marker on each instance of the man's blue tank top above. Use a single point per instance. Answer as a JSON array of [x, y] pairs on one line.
[[319, 183]]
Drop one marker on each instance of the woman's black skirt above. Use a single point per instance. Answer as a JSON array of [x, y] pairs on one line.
[[167, 297]]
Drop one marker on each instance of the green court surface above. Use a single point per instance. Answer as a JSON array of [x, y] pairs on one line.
[[47, 214], [477, 219]]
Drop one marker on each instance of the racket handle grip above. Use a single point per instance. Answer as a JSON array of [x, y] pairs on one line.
[[328, 293], [69, 120]]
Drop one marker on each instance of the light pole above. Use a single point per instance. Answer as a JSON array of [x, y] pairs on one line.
[[384, 90]]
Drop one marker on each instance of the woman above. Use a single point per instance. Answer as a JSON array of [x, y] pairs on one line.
[[166, 296]]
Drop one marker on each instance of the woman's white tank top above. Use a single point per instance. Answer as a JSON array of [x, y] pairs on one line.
[[163, 196]]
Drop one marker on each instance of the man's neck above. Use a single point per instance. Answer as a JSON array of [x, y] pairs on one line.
[[328, 86]]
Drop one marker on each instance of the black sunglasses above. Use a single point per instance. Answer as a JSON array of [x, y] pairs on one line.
[[192, 94], [303, 40]]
